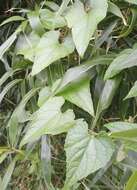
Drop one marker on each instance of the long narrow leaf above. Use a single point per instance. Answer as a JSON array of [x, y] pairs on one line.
[[6, 76], [8, 87], [8, 175], [132, 182], [12, 19]]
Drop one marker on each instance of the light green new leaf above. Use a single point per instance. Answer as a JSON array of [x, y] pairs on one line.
[[49, 120], [49, 50], [8, 87], [8, 175], [26, 45], [79, 94], [85, 153], [133, 92], [84, 23], [51, 20], [132, 182], [123, 61], [132, 1]]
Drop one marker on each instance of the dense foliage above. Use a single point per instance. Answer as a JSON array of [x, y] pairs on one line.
[[68, 95]]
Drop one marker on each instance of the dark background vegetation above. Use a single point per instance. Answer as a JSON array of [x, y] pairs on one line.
[[117, 175]]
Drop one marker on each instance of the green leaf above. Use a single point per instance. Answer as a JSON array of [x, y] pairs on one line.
[[132, 182], [123, 131], [46, 158], [19, 115], [4, 151], [52, 5], [35, 22], [48, 44], [44, 94], [49, 120], [130, 145], [8, 175], [105, 36], [0, 180], [85, 153], [6, 45], [130, 134], [123, 61], [113, 8], [26, 45], [8, 87], [51, 20], [84, 23], [127, 30], [120, 126], [132, 1], [12, 19], [6, 76], [63, 7], [3, 157], [79, 94], [133, 92], [106, 96], [75, 73]]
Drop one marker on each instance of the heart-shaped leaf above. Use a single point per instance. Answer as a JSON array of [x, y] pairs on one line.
[[79, 94], [84, 23], [77, 72], [50, 49], [49, 120], [85, 153], [51, 20], [35, 22], [26, 45]]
